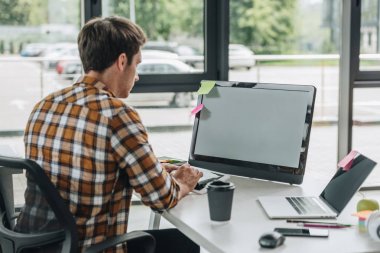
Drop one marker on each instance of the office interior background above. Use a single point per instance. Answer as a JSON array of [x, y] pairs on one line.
[[331, 44]]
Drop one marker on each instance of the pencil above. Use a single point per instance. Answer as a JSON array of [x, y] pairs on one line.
[[318, 222]]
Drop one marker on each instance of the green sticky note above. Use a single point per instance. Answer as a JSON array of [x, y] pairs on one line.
[[205, 88]]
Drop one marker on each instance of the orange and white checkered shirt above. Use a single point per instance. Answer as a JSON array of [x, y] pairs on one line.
[[95, 150]]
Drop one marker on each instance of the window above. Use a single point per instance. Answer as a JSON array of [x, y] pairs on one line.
[[174, 27], [369, 34], [179, 53], [298, 45], [360, 78], [31, 29], [366, 116], [176, 32]]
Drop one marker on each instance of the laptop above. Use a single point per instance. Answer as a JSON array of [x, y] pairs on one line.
[[330, 203]]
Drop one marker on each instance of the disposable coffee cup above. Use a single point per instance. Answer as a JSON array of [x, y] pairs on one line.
[[220, 195]]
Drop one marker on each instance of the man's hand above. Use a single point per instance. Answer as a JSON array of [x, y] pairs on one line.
[[169, 167], [187, 178]]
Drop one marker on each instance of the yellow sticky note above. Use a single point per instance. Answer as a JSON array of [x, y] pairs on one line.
[[206, 86]]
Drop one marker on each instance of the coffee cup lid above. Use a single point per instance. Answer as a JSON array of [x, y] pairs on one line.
[[220, 186]]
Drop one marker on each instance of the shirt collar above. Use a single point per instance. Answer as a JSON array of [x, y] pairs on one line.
[[89, 80]]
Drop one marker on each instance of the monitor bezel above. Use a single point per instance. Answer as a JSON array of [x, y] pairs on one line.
[[251, 169]]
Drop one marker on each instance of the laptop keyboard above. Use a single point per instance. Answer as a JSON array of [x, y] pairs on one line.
[[305, 205]]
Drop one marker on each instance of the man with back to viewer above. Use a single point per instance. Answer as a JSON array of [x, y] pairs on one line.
[[95, 149]]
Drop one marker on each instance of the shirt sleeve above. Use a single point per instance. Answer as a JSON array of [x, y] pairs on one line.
[[133, 152]]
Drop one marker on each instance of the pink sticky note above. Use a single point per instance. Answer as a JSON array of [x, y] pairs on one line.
[[197, 109], [363, 214], [348, 160]]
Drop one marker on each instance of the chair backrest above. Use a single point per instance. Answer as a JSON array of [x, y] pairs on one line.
[[4, 211], [52, 197]]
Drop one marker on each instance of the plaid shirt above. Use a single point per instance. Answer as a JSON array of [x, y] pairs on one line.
[[95, 150]]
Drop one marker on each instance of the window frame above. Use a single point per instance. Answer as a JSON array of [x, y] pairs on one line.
[[351, 77], [216, 40]]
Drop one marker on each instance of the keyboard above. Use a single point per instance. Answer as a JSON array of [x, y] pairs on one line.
[[305, 205], [208, 176], [201, 184]]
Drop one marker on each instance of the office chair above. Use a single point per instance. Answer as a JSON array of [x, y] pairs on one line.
[[16, 242]]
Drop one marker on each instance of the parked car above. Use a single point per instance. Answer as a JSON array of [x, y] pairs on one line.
[[240, 56], [162, 66], [70, 66], [172, 99], [33, 49], [157, 54], [161, 45], [59, 51], [187, 54], [73, 68]]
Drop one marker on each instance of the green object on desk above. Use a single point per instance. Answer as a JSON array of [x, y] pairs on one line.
[[367, 204], [170, 160]]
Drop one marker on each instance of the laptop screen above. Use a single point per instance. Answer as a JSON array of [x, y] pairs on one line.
[[254, 130], [346, 183]]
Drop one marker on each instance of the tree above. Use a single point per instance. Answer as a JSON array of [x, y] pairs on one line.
[[163, 19], [38, 12], [150, 15], [189, 17], [266, 26], [1, 46], [23, 12], [14, 12]]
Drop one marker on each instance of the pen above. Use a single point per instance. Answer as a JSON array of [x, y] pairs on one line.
[[318, 223], [171, 161], [315, 225]]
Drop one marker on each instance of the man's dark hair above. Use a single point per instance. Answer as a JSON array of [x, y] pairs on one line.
[[102, 40]]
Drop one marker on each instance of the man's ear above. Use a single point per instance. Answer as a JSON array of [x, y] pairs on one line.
[[122, 61]]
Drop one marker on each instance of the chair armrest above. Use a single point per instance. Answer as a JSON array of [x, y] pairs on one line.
[[30, 240], [146, 239], [40, 239]]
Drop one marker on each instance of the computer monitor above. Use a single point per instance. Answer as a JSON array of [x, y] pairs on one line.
[[254, 130]]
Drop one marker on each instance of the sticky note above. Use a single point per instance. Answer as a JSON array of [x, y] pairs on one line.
[[363, 214], [348, 160], [197, 109], [205, 88]]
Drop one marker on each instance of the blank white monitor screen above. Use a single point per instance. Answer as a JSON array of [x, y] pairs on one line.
[[254, 129], [257, 125]]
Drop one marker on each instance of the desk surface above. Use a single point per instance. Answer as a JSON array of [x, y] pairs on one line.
[[249, 221]]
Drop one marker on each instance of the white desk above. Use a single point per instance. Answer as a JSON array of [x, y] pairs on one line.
[[249, 221]]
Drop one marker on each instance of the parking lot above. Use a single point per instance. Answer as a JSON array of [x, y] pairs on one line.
[[24, 83]]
